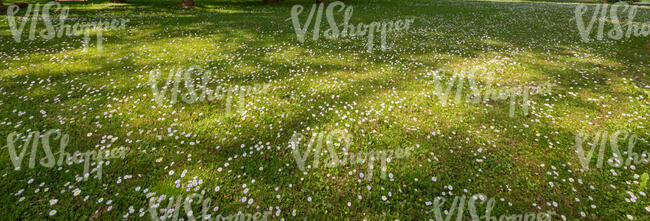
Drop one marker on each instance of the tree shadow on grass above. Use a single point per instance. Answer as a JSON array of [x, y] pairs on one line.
[[507, 164]]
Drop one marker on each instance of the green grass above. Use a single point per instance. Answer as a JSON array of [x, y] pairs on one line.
[[385, 99]]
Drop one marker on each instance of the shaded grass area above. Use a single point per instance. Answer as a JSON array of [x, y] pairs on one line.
[[385, 99]]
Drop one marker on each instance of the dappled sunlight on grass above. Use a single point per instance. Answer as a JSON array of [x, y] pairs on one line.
[[386, 99]]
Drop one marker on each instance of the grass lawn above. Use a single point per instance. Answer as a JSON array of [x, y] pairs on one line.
[[383, 99]]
